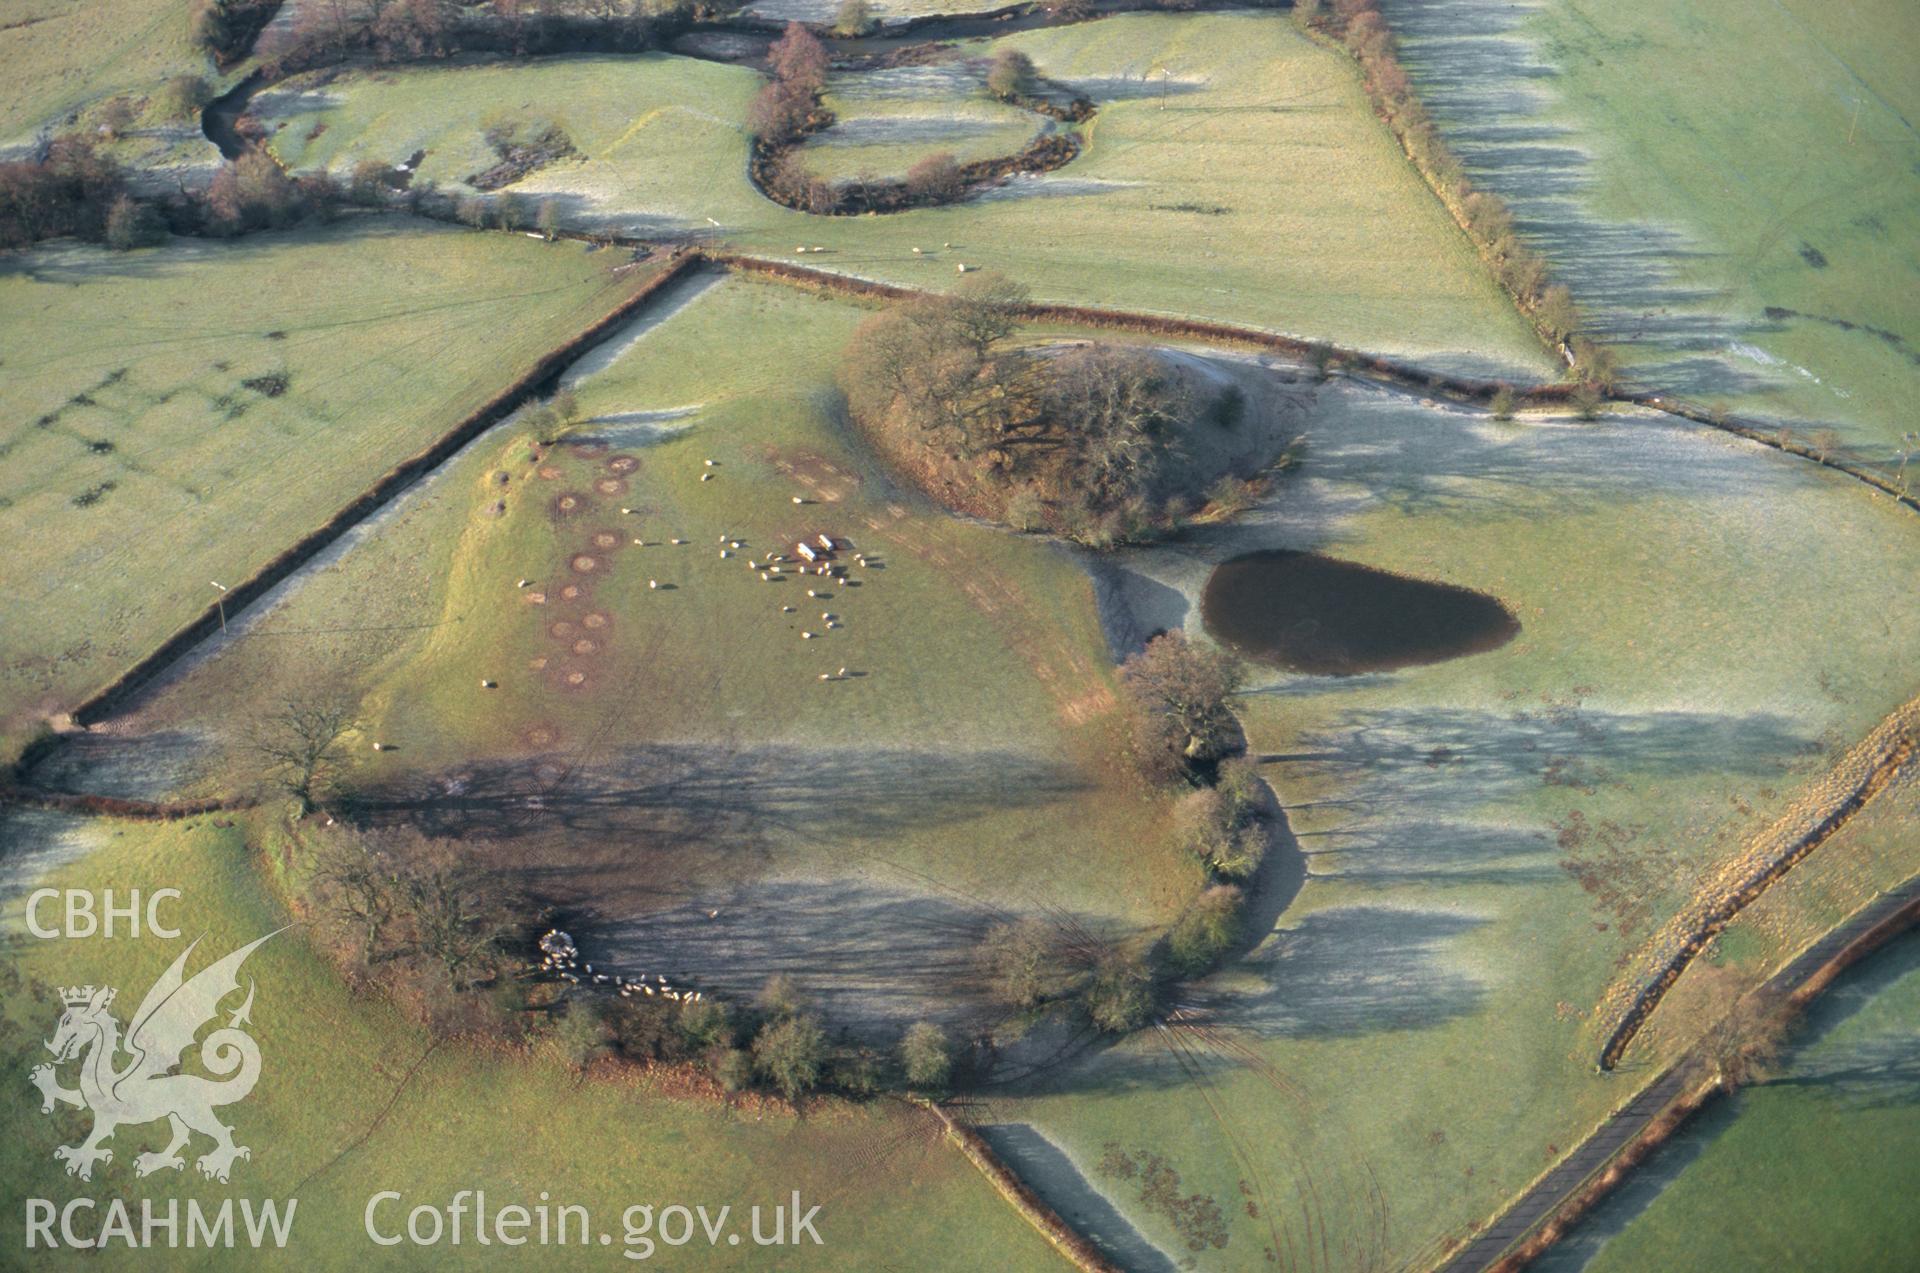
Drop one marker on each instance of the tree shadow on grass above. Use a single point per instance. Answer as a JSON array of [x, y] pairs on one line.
[[149, 766], [1349, 971], [813, 793], [871, 958], [1045, 1168], [704, 863], [1445, 761], [1478, 71], [1446, 853]]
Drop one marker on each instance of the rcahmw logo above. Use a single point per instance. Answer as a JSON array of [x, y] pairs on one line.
[[129, 1079]]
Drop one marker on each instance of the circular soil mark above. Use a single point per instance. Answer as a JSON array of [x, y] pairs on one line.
[[1325, 617], [560, 630], [610, 486], [572, 592], [594, 620], [570, 503], [623, 464], [586, 645], [549, 472], [542, 736], [606, 540], [584, 563]]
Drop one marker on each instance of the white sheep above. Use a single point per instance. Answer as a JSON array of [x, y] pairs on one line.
[[653, 583], [706, 477], [806, 636]]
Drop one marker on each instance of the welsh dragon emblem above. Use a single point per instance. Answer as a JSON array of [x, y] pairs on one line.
[[144, 1087]]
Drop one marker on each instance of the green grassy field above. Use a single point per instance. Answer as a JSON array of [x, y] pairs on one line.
[[885, 122], [61, 55], [354, 1099], [143, 463], [1489, 839], [1733, 191], [1235, 170], [968, 762], [1811, 1169], [578, 671]]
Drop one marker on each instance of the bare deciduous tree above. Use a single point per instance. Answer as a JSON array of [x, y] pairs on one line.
[[1749, 1030], [298, 747], [1180, 691]]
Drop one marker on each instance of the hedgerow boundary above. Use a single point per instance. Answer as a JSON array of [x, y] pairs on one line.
[[1866, 770], [402, 475], [1065, 1238], [1356, 362], [1548, 1209]]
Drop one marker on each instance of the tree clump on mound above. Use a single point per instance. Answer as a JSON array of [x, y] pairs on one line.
[[1081, 440]]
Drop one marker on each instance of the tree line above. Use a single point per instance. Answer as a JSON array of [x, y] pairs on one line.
[[1360, 28]]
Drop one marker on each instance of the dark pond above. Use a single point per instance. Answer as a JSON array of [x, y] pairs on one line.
[[1313, 614]]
